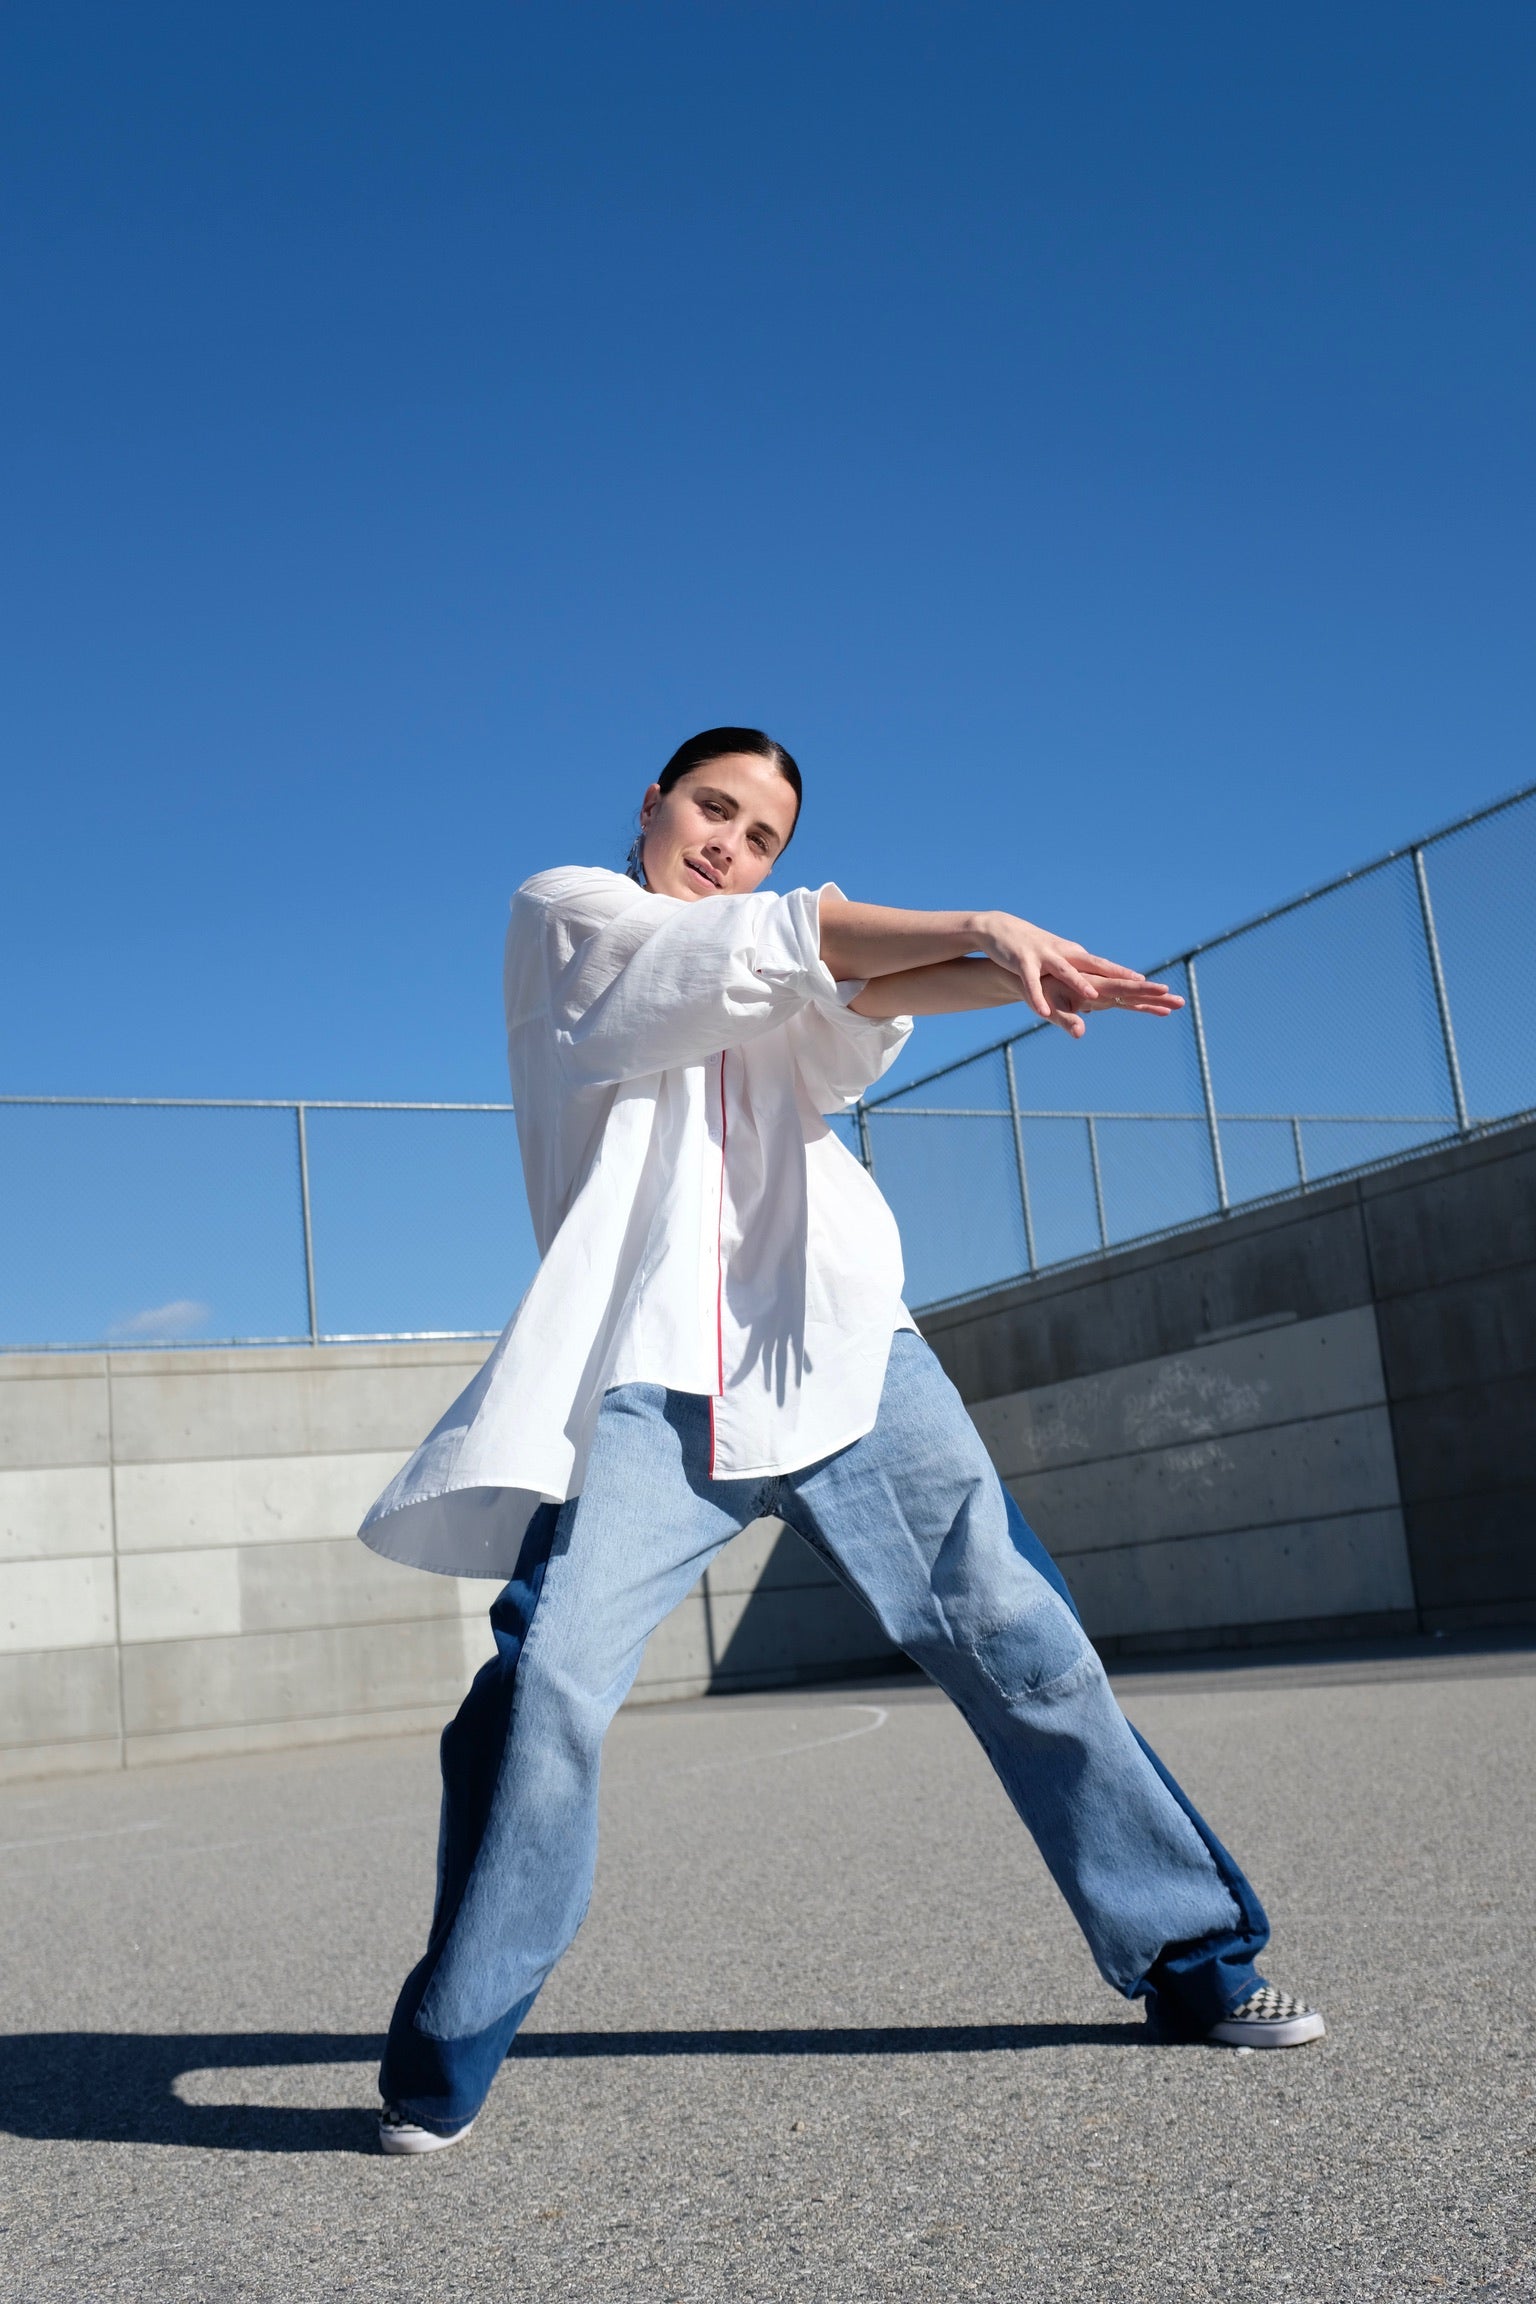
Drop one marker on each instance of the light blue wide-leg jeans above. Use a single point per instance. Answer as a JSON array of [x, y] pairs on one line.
[[914, 1519]]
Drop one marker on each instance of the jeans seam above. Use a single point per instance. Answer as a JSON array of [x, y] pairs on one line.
[[508, 1760], [1084, 1665]]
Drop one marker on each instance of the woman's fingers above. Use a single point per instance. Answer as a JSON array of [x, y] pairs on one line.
[[1063, 1008], [1150, 996], [1063, 980], [1056, 965], [1029, 974], [1094, 965], [1140, 999], [1112, 992]]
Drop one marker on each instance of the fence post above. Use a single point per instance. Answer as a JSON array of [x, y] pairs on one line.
[[1098, 1181], [1301, 1153], [1217, 1163], [1018, 1154], [865, 1153], [1442, 997], [309, 1230]]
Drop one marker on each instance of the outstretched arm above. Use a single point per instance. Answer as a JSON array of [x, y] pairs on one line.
[[936, 963]]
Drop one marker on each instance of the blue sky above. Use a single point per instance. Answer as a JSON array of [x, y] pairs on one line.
[[1097, 440]]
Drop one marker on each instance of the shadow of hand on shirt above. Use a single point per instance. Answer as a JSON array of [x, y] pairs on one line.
[[205, 2090]]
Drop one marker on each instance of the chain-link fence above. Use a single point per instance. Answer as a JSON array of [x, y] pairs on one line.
[[1365, 1020], [146, 1221], [1371, 1017]]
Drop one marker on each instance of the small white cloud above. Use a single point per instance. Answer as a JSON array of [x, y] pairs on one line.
[[162, 1323]]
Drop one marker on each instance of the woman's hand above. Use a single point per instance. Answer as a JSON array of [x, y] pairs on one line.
[[924, 964], [1141, 998], [956, 987], [1063, 981]]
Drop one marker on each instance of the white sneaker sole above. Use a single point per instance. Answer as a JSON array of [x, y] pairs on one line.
[[1286, 2032], [410, 2140]]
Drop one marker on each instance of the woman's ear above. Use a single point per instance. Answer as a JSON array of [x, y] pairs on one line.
[[648, 804]]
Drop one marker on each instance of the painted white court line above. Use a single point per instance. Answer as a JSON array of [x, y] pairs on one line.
[[219, 1847], [881, 1713], [57, 1839]]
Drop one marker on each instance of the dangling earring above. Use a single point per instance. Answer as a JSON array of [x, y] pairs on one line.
[[635, 867]]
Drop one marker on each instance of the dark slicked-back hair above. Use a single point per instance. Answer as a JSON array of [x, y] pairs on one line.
[[715, 743]]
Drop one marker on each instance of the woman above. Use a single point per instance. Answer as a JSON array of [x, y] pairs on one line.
[[716, 1334]]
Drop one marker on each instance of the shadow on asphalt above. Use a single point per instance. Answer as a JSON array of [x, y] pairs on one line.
[[120, 2087], [851, 2040]]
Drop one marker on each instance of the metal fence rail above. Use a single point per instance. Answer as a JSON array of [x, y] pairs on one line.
[[150, 1221], [1358, 1023]]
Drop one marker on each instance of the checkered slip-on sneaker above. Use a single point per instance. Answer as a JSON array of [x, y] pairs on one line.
[[398, 2134], [1269, 2019]]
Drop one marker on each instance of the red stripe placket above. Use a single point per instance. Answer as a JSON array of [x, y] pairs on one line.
[[719, 1279]]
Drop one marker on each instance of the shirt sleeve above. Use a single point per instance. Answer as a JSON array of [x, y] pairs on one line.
[[645, 983], [838, 1054]]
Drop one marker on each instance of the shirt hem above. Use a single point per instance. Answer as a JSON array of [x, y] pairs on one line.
[[798, 1463]]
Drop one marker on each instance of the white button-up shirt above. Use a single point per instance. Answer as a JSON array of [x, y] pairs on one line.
[[699, 1223]]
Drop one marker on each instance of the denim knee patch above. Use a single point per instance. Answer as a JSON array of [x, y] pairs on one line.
[[996, 1604], [1037, 1646]]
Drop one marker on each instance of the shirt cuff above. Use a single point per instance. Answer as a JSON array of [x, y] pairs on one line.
[[788, 950]]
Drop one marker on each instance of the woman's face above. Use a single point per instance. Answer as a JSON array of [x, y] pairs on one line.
[[718, 830]]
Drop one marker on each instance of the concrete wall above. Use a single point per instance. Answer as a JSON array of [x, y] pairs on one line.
[[1249, 1480], [1453, 1263], [1318, 1419], [179, 1573]]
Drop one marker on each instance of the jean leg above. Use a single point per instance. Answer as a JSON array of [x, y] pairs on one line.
[[1029, 1547], [518, 1842], [917, 1520], [1189, 1987]]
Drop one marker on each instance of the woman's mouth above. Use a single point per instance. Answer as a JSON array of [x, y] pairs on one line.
[[706, 877]]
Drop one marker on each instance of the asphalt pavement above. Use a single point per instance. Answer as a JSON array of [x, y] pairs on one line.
[[828, 2033]]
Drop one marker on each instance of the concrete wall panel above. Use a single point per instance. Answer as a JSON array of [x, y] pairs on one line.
[[1474, 1558], [63, 1696], [1299, 1260], [1282, 1474], [303, 1403], [179, 1595], [1280, 1375], [677, 1655], [784, 1636], [766, 1555], [1439, 1338], [1475, 1439], [56, 1604], [285, 1587], [55, 1411], [50, 1515], [248, 1500], [1454, 1243], [22, 1763], [1458, 1214], [1352, 1566], [308, 1675]]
